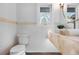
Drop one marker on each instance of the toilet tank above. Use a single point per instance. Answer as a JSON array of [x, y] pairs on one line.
[[23, 39]]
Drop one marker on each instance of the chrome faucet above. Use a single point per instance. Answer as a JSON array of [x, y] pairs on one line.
[[74, 22]]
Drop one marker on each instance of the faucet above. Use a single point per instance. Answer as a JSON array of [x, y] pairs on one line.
[[74, 22]]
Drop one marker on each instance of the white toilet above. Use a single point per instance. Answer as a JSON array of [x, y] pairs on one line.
[[20, 48]]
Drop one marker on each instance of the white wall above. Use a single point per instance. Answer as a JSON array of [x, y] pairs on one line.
[[56, 14], [8, 10], [77, 23], [26, 12], [7, 37], [7, 29]]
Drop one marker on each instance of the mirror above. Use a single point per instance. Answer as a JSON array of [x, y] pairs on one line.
[[72, 15]]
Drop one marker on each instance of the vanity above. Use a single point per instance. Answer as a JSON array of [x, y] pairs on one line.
[[66, 41]]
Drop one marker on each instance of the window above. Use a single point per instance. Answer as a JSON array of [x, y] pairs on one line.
[[44, 9], [71, 12], [44, 15], [71, 9]]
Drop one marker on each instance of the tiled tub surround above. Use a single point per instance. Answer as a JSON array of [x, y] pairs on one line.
[[66, 44], [7, 34]]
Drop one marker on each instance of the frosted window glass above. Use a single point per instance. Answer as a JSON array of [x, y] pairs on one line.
[[44, 9]]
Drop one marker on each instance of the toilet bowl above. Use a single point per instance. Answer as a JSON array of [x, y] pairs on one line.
[[20, 48]]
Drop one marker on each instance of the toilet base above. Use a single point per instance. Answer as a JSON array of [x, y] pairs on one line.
[[18, 50]]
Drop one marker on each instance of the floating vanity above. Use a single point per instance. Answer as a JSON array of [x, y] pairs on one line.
[[65, 42]]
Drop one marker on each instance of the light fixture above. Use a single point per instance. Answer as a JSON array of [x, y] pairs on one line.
[[61, 5], [62, 9]]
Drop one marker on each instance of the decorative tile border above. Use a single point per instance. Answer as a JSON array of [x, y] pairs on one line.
[[11, 21], [6, 20], [26, 23]]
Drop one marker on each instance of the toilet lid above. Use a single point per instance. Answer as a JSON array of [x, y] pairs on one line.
[[18, 48]]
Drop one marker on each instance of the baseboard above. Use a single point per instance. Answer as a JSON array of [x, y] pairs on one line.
[[43, 53]]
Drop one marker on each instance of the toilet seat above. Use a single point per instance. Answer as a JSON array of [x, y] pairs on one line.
[[18, 49]]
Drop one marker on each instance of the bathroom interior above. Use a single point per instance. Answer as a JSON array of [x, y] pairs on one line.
[[39, 28]]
